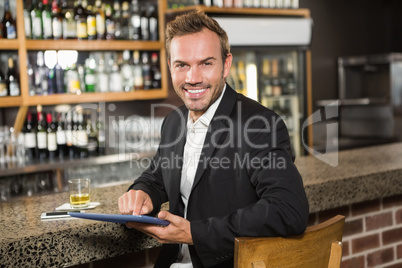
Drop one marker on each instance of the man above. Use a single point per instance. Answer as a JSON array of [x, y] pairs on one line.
[[224, 162]]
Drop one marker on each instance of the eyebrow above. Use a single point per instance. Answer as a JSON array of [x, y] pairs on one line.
[[202, 61]]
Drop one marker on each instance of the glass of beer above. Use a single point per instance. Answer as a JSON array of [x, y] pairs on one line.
[[79, 192]]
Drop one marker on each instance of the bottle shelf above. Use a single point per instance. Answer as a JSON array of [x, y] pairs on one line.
[[9, 44], [92, 45], [10, 101], [96, 97], [244, 11]]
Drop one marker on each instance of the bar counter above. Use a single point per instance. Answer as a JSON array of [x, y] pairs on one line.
[[26, 241]]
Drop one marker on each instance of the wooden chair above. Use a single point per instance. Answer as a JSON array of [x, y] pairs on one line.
[[320, 246]]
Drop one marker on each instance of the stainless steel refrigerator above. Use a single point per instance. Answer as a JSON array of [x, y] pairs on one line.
[[270, 65]]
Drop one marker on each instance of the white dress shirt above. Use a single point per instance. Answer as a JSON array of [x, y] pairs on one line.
[[196, 132]]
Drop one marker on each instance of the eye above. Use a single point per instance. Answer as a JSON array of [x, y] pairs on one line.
[[207, 63], [180, 65]]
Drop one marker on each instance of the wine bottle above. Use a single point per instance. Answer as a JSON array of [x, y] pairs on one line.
[[146, 70], [61, 136], [12, 79], [41, 135], [69, 135], [156, 71], [36, 19], [145, 16], [51, 137], [41, 75], [91, 133], [80, 16], [57, 21], [135, 20], [9, 26], [30, 137], [101, 132], [27, 20], [100, 20], [153, 23], [82, 136], [47, 20], [117, 17], [91, 23], [137, 71], [109, 22]]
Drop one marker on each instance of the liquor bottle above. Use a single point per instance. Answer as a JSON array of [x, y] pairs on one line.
[[69, 24], [100, 20], [241, 75], [92, 147], [290, 78], [69, 135], [80, 17], [91, 23], [101, 132], [109, 22], [9, 26], [115, 78], [82, 136], [90, 75], [137, 71], [276, 85], [126, 72], [117, 20], [59, 77], [145, 16], [146, 70], [41, 135], [57, 21], [31, 79], [41, 75], [12, 79], [3, 85], [81, 77], [153, 23], [30, 137], [73, 80], [135, 21], [51, 136], [76, 152], [156, 71], [125, 21], [61, 136], [102, 77], [36, 19], [27, 20], [266, 77], [47, 20]]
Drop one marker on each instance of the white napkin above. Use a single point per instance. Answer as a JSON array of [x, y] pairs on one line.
[[67, 206]]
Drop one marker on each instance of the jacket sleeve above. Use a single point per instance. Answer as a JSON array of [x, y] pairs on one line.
[[281, 208]]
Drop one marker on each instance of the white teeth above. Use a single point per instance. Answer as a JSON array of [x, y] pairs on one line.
[[196, 91]]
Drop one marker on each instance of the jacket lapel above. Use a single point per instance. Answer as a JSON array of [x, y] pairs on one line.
[[215, 134]]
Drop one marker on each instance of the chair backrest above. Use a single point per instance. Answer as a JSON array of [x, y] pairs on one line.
[[319, 246]]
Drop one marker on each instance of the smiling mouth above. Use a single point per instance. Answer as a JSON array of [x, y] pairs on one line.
[[195, 91]]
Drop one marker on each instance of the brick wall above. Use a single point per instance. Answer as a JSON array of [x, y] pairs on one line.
[[373, 232]]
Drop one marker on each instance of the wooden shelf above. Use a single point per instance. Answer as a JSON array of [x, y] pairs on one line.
[[92, 45], [96, 97], [10, 101], [244, 11], [9, 44]]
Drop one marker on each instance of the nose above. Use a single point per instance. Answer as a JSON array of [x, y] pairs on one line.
[[193, 76]]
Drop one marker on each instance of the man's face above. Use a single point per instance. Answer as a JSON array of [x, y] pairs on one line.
[[198, 73]]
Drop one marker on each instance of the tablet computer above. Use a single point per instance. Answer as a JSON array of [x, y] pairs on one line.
[[118, 218]]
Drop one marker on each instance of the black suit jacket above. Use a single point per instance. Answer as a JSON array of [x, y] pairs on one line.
[[246, 183]]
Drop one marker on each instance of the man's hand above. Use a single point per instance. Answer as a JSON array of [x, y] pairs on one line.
[[177, 232], [135, 202]]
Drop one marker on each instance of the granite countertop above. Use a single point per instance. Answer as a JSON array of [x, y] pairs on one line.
[[360, 175], [26, 241]]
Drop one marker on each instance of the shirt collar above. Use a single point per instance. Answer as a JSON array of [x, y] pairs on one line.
[[206, 117]]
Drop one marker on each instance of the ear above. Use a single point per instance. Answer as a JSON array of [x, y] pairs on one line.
[[168, 61], [227, 64]]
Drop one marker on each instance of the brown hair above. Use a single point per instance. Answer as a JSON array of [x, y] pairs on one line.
[[195, 22]]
